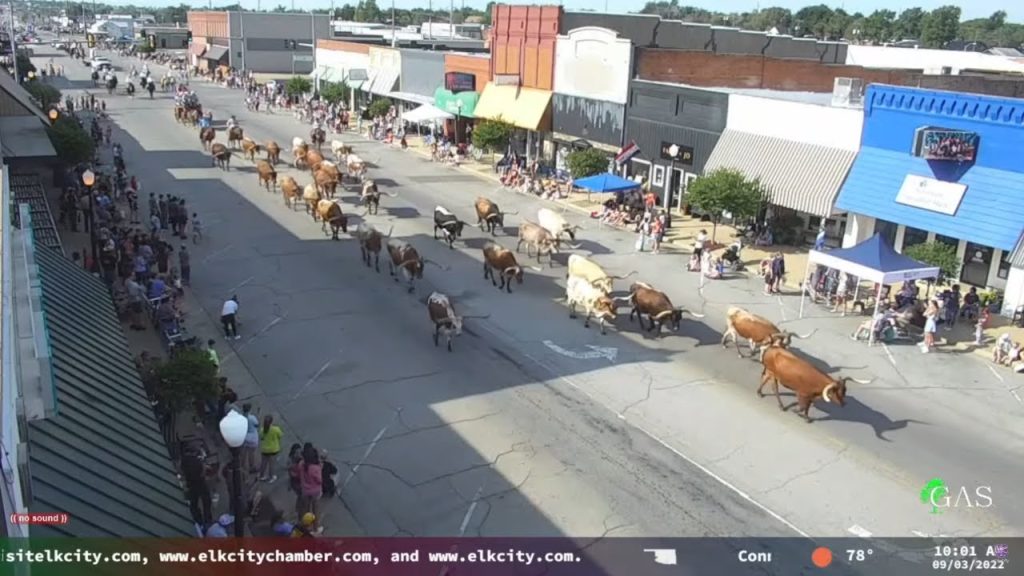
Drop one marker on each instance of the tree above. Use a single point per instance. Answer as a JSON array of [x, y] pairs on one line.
[[492, 135], [940, 26], [379, 107], [25, 64], [938, 254], [726, 190], [298, 85], [587, 162], [335, 92], [70, 140], [44, 94], [367, 11], [814, 20], [932, 491], [879, 26], [908, 24], [188, 377]]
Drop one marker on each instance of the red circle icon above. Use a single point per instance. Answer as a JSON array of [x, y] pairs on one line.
[[821, 557]]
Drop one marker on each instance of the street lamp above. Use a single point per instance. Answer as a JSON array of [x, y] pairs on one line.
[[458, 114], [234, 427], [89, 179], [673, 152], [53, 114]]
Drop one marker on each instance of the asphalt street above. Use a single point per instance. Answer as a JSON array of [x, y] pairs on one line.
[[535, 425]]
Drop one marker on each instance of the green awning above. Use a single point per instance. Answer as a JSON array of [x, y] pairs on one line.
[[461, 103]]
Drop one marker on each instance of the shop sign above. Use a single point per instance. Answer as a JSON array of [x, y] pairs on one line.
[[506, 80], [676, 153], [942, 144], [456, 82], [931, 194]]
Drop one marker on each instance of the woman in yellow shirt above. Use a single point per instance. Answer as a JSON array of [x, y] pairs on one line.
[[270, 446]]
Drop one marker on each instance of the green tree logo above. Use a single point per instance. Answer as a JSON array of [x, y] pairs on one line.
[[932, 491]]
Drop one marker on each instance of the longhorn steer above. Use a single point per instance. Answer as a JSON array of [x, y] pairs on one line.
[[759, 331], [267, 174], [313, 159], [291, 191], [537, 238], [206, 137], [317, 136], [449, 225], [339, 149], [371, 196], [588, 269], [221, 156], [330, 213], [497, 257], [554, 223], [370, 243], [489, 215], [326, 183], [311, 196], [299, 152], [595, 301], [406, 259], [657, 307], [800, 376], [250, 148], [273, 152], [444, 318]]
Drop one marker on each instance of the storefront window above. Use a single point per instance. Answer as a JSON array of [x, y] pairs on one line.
[[954, 242], [1004, 265], [887, 230], [913, 236]]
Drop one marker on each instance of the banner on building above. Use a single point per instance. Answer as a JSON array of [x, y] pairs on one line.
[[941, 144], [627, 153], [456, 82]]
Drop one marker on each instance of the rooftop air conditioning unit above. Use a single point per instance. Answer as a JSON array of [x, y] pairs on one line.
[[848, 92]]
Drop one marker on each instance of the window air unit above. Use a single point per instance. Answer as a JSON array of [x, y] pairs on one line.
[[848, 92]]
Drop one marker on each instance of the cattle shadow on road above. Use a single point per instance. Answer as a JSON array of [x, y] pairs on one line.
[[401, 211], [858, 412], [385, 182], [589, 246], [825, 367]]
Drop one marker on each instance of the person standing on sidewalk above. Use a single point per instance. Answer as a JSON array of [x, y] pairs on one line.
[[311, 481], [162, 206], [270, 447], [252, 440], [228, 314], [778, 272], [185, 265], [931, 324]]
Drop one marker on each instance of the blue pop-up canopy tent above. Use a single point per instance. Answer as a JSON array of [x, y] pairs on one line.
[[606, 182], [874, 260]]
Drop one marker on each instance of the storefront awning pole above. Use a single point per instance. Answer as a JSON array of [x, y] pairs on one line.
[[803, 287], [878, 300]]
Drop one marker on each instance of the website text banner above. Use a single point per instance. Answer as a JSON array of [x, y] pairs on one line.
[[510, 557]]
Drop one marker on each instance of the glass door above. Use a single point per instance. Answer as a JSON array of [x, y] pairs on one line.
[[976, 265]]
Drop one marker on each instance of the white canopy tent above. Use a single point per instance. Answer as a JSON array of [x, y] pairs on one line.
[[426, 113], [873, 260]]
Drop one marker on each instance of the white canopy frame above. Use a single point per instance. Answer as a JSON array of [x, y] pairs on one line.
[[860, 271], [426, 113]]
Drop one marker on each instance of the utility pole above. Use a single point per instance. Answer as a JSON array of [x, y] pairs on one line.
[[14, 48], [394, 31], [451, 20]]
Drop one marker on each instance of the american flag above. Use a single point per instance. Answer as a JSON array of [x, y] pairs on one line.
[[627, 152], [1001, 550]]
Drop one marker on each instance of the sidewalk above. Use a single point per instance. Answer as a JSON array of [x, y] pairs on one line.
[[684, 230], [205, 325]]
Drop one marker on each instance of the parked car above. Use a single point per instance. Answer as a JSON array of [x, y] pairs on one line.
[[100, 62]]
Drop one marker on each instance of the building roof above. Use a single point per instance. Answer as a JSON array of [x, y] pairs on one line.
[[930, 61], [10, 86], [25, 137], [819, 98], [101, 459], [1005, 52]]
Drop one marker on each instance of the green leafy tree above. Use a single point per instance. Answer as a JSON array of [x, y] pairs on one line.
[[940, 26], [814, 20], [298, 85], [588, 162], [938, 254], [368, 11], [44, 94], [379, 107], [189, 377], [492, 135], [932, 491], [879, 26], [70, 140], [726, 190], [25, 64], [908, 24], [335, 92]]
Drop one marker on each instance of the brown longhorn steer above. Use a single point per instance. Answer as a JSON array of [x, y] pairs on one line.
[[311, 196], [501, 259], [759, 331], [221, 156], [250, 148], [313, 159], [371, 196], [273, 152], [291, 191], [267, 174], [407, 260], [579, 291], [299, 152], [325, 183], [539, 239], [489, 216], [331, 214], [800, 376], [371, 241], [657, 307]]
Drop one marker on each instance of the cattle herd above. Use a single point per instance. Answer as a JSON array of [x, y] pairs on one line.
[[588, 286]]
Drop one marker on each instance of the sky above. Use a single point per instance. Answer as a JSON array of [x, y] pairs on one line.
[[973, 9]]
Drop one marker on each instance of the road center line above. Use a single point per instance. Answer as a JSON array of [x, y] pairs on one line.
[[994, 373], [244, 282], [217, 253], [369, 450], [472, 508], [313, 379], [858, 530], [888, 353]]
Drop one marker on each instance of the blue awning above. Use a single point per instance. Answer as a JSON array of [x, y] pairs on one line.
[[988, 214], [606, 183]]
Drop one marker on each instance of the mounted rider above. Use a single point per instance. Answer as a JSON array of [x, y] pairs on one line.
[[232, 122]]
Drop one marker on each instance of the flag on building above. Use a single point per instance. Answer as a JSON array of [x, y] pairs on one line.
[[628, 152]]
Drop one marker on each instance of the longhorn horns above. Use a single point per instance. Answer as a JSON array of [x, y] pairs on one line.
[[429, 261], [690, 312], [634, 272], [803, 336]]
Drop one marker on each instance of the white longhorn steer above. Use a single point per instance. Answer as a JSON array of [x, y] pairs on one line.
[[595, 301], [554, 223]]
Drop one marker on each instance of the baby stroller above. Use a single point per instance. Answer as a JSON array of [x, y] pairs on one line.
[[732, 256]]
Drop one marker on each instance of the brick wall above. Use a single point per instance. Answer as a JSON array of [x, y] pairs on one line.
[[478, 67], [208, 24], [342, 46], [728, 71]]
